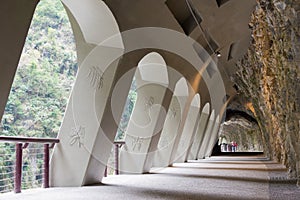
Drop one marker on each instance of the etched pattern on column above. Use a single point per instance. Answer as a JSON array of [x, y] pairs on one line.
[[137, 143], [96, 77], [149, 102], [172, 112], [77, 136], [163, 142]]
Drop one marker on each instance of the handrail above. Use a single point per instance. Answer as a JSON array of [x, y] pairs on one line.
[[28, 139], [22, 143], [119, 142]]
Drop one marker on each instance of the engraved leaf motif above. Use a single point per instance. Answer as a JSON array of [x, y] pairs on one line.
[[77, 136], [96, 77]]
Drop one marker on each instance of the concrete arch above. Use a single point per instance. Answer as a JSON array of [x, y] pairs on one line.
[[195, 80], [102, 79], [90, 93], [181, 92], [199, 132], [151, 80], [207, 136], [206, 109], [189, 130], [153, 68], [196, 101], [181, 88], [148, 114], [91, 25], [200, 80], [174, 116]]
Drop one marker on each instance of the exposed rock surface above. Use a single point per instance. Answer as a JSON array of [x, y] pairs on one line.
[[269, 78]]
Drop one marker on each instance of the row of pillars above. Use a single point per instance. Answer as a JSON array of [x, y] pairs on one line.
[[105, 74], [156, 106]]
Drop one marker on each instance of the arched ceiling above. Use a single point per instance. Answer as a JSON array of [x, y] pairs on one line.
[[217, 25]]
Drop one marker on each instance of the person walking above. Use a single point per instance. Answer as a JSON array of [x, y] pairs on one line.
[[234, 146]]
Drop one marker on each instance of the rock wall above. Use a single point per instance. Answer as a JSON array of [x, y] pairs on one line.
[[269, 77]]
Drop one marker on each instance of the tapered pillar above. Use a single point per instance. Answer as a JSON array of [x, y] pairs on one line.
[[188, 130], [214, 138], [199, 133], [80, 157], [168, 135], [207, 136], [148, 116]]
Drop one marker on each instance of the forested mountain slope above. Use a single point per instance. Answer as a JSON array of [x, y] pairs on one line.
[[45, 75]]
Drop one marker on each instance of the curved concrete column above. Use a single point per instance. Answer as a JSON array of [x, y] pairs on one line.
[[199, 133], [171, 126], [188, 130], [80, 157], [214, 138], [185, 95], [207, 136], [148, 115], [168, 135]]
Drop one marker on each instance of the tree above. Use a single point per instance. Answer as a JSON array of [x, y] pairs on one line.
[[40, 90], [44, 77]]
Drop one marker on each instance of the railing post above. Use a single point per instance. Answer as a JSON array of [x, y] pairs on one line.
[[116, 159], [18, 168], [46, 165], [105, 172]]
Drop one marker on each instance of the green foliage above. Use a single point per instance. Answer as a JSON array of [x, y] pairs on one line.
[[6, 166], [40, 90], [44, 77], [128, 109]]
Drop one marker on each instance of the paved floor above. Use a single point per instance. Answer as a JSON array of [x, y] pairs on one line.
[[213, 178]]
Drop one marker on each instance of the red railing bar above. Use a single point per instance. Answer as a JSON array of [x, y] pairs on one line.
[[46, 165], [18, 169], [28, 139], [119, 142], [25, 145], [51, 146], [116, 159], [105, 172]]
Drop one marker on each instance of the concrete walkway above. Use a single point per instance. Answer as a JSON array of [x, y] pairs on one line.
[[214, 178]]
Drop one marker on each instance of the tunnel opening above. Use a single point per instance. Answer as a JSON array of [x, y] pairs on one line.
[[239, 134]]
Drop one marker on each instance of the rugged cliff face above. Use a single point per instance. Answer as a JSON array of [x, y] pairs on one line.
[[269, 78]]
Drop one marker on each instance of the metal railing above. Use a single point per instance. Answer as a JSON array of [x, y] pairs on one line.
[[116, 147], [22, 143]]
